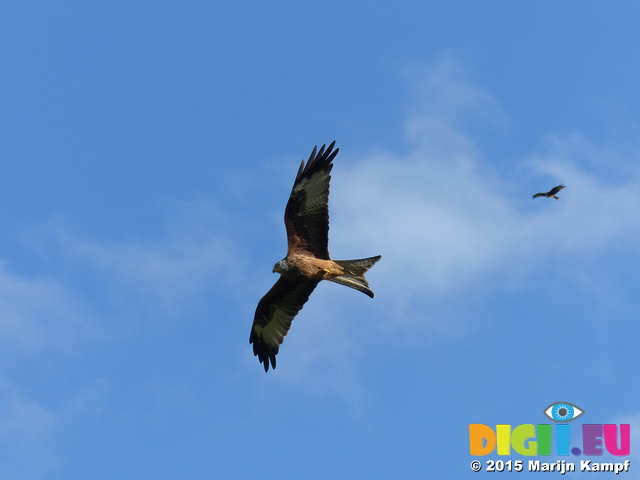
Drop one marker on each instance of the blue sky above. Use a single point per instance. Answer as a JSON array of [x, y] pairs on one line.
[[147, 153]]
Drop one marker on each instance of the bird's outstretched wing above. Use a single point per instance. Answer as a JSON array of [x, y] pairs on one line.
[[307, 214], [273, 317], [539, 195], [555, 190]]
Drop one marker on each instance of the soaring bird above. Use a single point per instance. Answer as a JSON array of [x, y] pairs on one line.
[[306, 219], [551, 193]]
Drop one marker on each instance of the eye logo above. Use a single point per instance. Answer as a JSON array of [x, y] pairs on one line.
[[563, 412]]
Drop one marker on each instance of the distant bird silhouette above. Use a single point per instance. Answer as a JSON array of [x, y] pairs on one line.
[[551, 193]]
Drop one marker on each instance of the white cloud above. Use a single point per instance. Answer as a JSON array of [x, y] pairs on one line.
[[40, 313], [26, 429], [442, 216], [32, 430], [165, 274], [443, 91], [600, 209]]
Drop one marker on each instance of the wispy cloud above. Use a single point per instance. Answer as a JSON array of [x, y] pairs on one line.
[[40, 313], [441, 91], [163, 274], [26, 430], [442, 216], [33, 429]]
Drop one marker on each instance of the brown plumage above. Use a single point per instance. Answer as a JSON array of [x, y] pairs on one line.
[[551, 193], [306, 219]]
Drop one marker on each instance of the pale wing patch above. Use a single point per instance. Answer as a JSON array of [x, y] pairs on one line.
[[273, 333], [307, 212], [316, 198], [274, 315]]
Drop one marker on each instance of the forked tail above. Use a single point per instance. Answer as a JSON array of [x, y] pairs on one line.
[[354, 273]]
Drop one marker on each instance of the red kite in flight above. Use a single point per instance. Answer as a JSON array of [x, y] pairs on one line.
[[306, 219], [551, 193]]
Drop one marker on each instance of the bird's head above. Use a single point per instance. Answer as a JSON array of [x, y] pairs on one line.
[[280, 267]]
